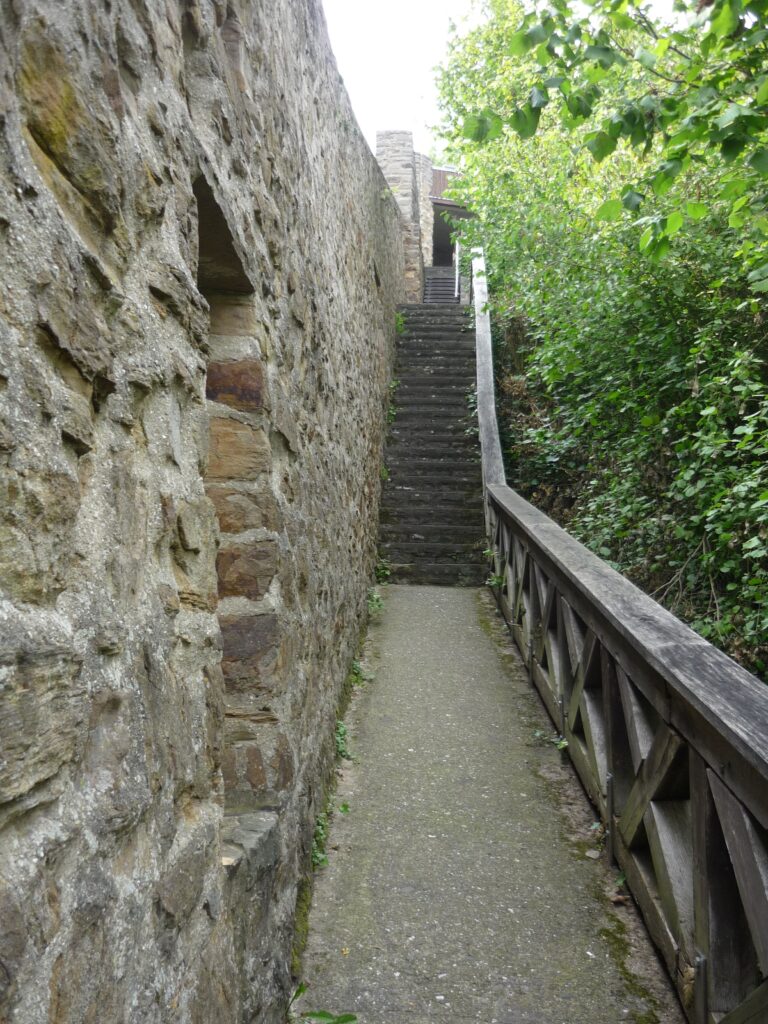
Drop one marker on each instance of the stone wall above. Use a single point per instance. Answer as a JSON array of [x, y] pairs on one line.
[[395, 154], [426, 209], [201, 262]]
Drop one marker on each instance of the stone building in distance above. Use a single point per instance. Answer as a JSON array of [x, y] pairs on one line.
[[419, 189]]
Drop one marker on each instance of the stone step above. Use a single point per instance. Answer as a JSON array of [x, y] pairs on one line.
[[443, 533], [452, 332], [439, 481], [444, 360], [426, 425], [426, 433], [459, 327], [416, 306], [432, 411], [424, 437], [427, 574], [426, 376], [455, 404], [461, 463], [450, 468], [436, 339], [454, 324], [422, 353], [413, 516], [406, 461], [437, 392], [456, 331], [433, 310], [436, 321], [418, 448], [405, 495], [419, 356], [402, 462], [456, 400], [431, 551], [451, 324], [436, 366], [436, 388]]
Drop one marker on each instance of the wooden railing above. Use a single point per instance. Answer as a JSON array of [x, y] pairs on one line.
[[668, 735]]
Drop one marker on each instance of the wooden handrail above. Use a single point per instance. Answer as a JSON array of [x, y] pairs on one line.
[[668, 735], [493, 463]]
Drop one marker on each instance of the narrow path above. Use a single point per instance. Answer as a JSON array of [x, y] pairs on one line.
[[455, 889]]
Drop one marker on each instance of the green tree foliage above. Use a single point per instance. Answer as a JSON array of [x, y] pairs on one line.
[[624, 237]]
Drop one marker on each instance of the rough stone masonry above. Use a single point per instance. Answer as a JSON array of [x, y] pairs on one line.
[[200, 266]]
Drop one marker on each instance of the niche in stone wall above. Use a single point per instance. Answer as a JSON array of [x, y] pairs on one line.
[[238, 484]]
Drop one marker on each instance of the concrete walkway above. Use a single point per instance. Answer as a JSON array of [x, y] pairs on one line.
[[459, 886]]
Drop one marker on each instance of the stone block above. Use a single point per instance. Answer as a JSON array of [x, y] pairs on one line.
[[181, 884], [42, 720], [238, 510], [237, 451], [37, 518], [77, 133], [246, 570], [249, 644], [232, 315], [239, 384]]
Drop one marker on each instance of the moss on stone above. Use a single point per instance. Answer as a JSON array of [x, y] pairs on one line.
[[328, 787], [301, 922], [617, 943]]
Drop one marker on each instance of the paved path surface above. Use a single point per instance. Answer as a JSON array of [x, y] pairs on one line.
[[459, 886]]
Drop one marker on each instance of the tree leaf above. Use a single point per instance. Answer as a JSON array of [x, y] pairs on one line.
[[605, 56], [518, 44], [525, 121], [645, 57], [732, 147], [601, 145], [726, 20], [646, 238], [525, 39], [696, 210], [673, 224], [610, 210], [733, 112], [659, 249], [482, 127], [759, 160], [631, 200], [538, 98]]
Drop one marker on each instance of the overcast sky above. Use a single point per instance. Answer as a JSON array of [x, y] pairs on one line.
[[386, 53]]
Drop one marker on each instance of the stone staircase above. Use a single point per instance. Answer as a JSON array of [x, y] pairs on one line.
[[440, 285], [431, 516]]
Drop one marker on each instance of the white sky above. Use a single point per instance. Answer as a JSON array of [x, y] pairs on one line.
[[386, 54]]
